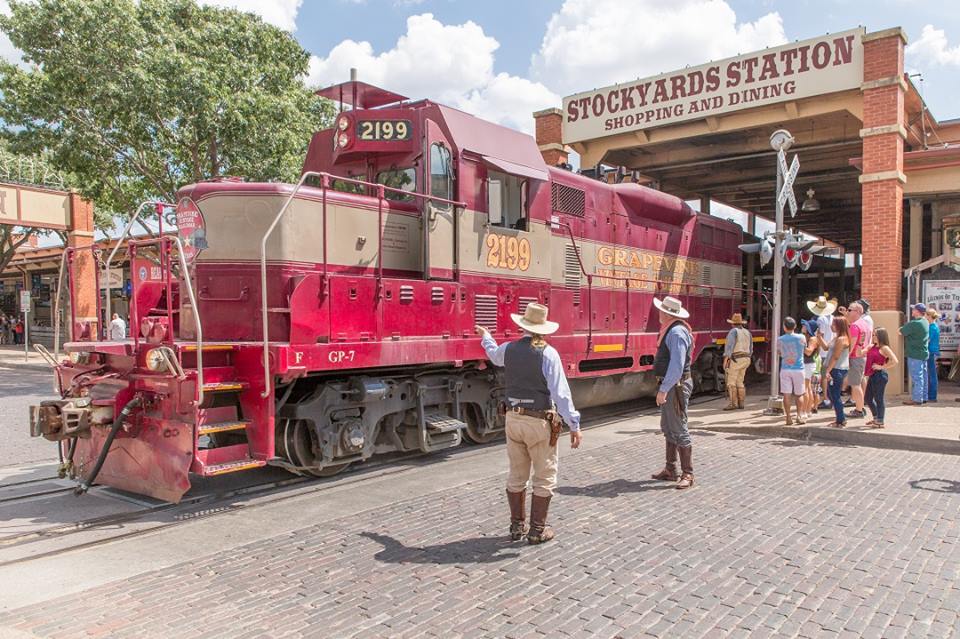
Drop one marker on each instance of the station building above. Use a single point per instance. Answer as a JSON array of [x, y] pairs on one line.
[[883, 170]]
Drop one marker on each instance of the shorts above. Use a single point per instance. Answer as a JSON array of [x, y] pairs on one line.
[[791, 382], [855, 374], [809, 369]]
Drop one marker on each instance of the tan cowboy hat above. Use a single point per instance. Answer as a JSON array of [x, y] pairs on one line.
[[671, 306], [823, 306], [737, 319], [534, 319]]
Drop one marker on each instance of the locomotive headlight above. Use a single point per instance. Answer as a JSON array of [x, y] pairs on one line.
[[343, 123], [155, 360], [343, 140]]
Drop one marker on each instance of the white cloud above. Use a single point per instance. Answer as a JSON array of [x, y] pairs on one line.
[[7, 51], [452, 64], [281, 13], [594, 43], [932, 48]]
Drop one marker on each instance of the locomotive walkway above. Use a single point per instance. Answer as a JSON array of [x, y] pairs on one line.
[[780, 537]]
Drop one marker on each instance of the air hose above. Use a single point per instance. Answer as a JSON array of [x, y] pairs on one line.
[[85, 484]]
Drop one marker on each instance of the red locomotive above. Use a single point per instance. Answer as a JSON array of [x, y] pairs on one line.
[[311, 326]]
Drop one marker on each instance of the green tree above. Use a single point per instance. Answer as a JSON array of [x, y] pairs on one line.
[[135, 98]]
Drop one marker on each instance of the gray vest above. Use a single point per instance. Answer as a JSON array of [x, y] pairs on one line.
[[523, 368], [661, 361]]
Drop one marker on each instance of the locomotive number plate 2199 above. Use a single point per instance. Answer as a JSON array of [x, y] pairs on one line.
[[508, 252], [384, 130]]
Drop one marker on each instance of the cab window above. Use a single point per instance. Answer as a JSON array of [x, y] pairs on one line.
[[506, 200], [441, 173], [403, 179]]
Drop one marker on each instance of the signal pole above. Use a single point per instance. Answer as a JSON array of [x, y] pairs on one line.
[[781, 141]]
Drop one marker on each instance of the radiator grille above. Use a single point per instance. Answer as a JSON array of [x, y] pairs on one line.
[[485, 311], [567, 199], [572, 276]]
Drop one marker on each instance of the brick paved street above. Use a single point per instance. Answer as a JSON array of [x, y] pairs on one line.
[[780, 538], [21, 386]]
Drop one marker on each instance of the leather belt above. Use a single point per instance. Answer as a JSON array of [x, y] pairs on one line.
[[528, 412], [683, 378]]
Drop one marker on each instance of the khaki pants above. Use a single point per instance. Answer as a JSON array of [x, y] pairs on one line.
[[528, 445], [737, 371]]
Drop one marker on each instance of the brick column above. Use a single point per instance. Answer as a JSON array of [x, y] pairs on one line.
[[549, 136], [882, 181], [85, 291]]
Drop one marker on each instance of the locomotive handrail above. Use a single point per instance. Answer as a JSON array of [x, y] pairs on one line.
[[56, 307], [325, 185], [120, 241], [193, 301]]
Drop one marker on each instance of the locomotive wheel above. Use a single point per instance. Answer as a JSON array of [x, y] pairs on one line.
[[472, 432], [299, 448]]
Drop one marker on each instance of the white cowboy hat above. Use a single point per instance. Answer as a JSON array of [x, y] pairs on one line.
[[671, 306], [534, 320], [822, 306]]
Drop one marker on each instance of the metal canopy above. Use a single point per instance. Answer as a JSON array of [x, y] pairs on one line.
[[739, 168], [360, 95]]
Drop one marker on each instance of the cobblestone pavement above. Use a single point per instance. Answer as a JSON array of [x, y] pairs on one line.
[[21, 386], [779, 538]]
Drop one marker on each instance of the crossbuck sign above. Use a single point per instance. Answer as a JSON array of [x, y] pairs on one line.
[[789, 175]]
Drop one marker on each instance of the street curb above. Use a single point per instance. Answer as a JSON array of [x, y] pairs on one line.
[[870, 439]]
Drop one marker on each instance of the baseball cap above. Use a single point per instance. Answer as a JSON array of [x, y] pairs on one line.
[[920, 307]]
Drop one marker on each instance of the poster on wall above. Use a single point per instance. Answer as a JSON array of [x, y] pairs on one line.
[[944, 295]]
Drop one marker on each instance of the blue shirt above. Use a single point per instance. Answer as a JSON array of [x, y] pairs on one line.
[[791, 348], [934, 345], [552, 372], [679, 340]]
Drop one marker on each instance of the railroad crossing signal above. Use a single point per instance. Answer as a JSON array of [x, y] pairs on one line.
[[789, 175]]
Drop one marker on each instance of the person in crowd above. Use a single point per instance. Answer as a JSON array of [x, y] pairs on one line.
[[118, 328], [671, 365], [534, 384], [811, 366], [880, 358], [18, 332], [933, 347], [860, 337], [837, 365], [792, 385], [4, 329], [916, 338], [737, 353], [823, 309]]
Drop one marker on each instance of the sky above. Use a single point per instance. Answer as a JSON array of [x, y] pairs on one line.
[[504, 59]]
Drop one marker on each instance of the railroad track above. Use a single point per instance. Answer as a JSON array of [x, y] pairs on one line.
[[210, 504]]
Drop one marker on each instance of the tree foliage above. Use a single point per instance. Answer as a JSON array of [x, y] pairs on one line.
[[135, 98]]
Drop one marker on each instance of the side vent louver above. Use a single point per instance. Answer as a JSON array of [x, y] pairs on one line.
[[406, 294], [567, 199], [485, 311], [571, 272]]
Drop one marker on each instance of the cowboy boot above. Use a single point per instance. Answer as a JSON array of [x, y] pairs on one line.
[[686, 466], [732, 394], [540, 532], [518, 518], [669, 472], [741, 397]]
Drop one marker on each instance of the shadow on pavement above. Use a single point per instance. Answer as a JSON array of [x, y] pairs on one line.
[[479, 550], [937, 485], [788, 443], [615, 488]]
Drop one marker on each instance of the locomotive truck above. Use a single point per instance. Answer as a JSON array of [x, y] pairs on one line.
[[313, 325]]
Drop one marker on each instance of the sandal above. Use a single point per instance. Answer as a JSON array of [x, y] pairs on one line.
[[872, 422], [877, 424], [837, 424]]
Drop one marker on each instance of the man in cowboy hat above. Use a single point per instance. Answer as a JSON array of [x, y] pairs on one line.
[[671, 365], [736, 360], [823, 309], [534, 384]]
